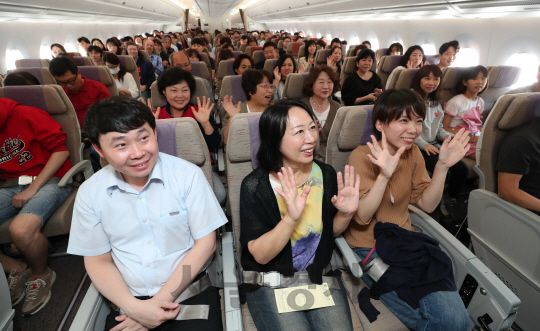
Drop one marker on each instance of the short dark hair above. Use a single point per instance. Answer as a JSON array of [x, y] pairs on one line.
[[116, 114], [391, 104], [198, 41], [225, 40], [282, 60], [83, 39], [272, 127], [359, 47], [314, 74], [225, 54], [175, 75], [239, 59], [60, 65], [269, 44], [244, 37], [408, 53], [93, 48], [112, 58], [335, 40], [444, 47], [321, 43], [193, 52], [364, 54], [227, 45], [366, 42], [471, 73], [250, 79], [395, 45], [434, 97], [20, 79]]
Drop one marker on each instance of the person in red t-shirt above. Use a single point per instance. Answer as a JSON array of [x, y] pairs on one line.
[[81, 91], [33, 159]]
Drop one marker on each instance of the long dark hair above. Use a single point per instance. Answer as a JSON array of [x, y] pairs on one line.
[[59, 46], [471, 73], [307, 44], [113, 59], [272, 127], [282, 59], [434, 97], [408, 53]]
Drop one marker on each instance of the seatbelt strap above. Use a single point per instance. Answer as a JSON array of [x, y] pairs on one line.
[[277, 280], [11, 182]]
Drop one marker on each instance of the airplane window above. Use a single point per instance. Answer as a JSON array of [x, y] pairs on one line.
[[467, 57], [374, 44], [355, 41], [319, 36], [13, 55], [45, 52], [529, 67], [70, 47], [429, 49], [329, 36]]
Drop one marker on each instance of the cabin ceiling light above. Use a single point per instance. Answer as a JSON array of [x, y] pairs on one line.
[[179, 4]]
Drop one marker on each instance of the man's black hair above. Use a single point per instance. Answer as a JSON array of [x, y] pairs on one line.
[[116, 114], [365, 54], [198, 41], [95, 49], [272, 127], [444, 47], [269, 44], [83, 39], [60, 65]]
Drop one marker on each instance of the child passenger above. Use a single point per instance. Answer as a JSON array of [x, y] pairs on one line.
[[465, 109], [393, 175], [145, 223]]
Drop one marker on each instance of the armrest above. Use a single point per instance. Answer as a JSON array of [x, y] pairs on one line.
[[221, 159], [481, 176], [84, 166], [233, 313], [350, 258], [92, 312]]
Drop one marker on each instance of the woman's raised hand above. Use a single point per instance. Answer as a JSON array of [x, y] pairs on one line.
[[301, 69], [348, 193], [424, 63], [277, 74], [410, 65], [382, 157], [377, 58], [289, 193], [454, 148], [202, 115], [229, 107]]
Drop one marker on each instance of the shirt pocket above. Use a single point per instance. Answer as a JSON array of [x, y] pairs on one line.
[[173, 233]]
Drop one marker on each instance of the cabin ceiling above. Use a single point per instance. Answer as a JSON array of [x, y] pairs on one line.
[[263, 11]]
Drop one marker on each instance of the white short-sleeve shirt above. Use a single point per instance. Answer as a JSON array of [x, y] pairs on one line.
[[147, 232], [459, 105]]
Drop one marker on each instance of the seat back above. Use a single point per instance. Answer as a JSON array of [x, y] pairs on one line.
[[129, 63], [350, 51], [258, 56], [101, 74], [501, 78], [159, 101], [74, 53], [321, 56], [451, 76], [242, 48], [199, 69], [387, 64], [394, 79], [294, 48], [251, 49], [280, 44], [182, 137], [53, 100], [206, 60], [83, 61], [294, 85], [234, 53], [405, 78], [270, 65], [352, 127], [225, 69], [509, 112], [43, 75], [432, 59], [380, 52], [232, 86], [145, 55], [349, 67], [32, 63], [241, 148]]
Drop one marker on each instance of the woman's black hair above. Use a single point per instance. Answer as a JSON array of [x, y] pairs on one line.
[[407, 55], [251, 78], [307, 44], [114, 42], [471, 73], [112, 58], [272, 127], [193, 52], [398, 46], [101, 42], [116, 114], [364, 55], [391, 104], [239, 60], [433, 98], [22, 78], [83, 39], [173, 76], [93, 48], [225, 54], [59, 46], [282, 60]]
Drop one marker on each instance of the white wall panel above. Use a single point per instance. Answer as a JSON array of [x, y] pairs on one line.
[[29, 37]]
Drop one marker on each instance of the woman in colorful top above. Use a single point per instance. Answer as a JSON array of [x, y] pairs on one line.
[[427, 83], [394, 176], [291, 207], [308, 60], [465, 109]]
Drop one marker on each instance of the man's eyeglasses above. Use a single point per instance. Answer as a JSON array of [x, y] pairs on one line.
[[68, 82]]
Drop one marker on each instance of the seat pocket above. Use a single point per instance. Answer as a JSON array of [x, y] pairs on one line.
[[174, 233]]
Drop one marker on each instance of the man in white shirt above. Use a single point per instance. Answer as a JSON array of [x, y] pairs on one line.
[[145, 223]]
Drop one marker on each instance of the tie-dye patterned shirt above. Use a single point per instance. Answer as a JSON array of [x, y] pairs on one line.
[[307, 233]]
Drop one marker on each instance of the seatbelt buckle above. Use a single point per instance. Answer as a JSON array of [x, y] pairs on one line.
[[270, 279], [26, 180]]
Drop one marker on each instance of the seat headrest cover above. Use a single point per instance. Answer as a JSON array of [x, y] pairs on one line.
[[237, 90], [79, 60], [236, 54], [412, 75], [296, 48], [523, 109], [27, 95], [30, 63], [432, 59], [349, 65], [394, 62], [90, 72], [36, 72], [294, 88], [368, 129], [322, 55], [166, 136], [358, 119], [254, 139], [196, 69], [507, 76], [230, 67]]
